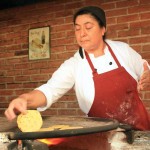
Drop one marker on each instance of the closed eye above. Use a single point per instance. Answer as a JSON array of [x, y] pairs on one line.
[[77, 27], [88, 26]]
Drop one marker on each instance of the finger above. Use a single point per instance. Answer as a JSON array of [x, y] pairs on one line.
[[15, 108], [145, 66], [146, 74], [10, 115], [21, 107], [138, 88], [144, 80], [143, 85]]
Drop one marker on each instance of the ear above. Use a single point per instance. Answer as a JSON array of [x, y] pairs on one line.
[[103, 31]]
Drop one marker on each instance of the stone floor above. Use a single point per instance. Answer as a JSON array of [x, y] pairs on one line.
[[141, 141]]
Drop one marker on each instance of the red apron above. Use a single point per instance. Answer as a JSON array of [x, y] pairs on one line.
[[116, 97]]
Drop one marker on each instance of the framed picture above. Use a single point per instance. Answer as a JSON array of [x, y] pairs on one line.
[[39, 43]]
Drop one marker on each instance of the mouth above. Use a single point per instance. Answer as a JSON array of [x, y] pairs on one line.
[[85, 41]]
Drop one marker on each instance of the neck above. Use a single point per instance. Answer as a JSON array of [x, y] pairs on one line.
[[99, 51]]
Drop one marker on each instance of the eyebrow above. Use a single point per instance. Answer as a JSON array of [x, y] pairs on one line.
[[84, 23]]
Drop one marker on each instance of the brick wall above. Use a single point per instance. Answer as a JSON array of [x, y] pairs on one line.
[[128, 20]]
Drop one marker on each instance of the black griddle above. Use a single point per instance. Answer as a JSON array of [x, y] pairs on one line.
[[89, 125]]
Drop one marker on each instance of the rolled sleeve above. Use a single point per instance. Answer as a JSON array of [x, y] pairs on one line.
[[45, 90]]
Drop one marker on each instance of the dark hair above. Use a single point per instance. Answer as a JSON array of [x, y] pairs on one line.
[[95, 12]]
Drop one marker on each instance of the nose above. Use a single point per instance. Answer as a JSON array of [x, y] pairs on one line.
[[83, 32]]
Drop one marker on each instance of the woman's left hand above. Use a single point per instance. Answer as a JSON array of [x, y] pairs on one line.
[[145, 78]]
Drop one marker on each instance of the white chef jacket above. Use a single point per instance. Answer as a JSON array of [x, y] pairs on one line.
[[76, 72]]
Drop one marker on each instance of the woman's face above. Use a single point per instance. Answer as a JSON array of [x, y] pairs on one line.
[[88, 33]]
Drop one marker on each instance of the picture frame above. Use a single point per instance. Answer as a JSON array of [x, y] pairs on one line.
[[39, 43]]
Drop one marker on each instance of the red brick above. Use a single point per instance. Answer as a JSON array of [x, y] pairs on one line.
[[30, 85], [14, 85], [111, 21], [64, 13], [59, 105], [38, 64], [139, 8], [14, 72], [138, 40], [146, 103], [56, 63], [21, 40], [21, 53], [2, 62], [116, 12], [147, 96], [65, 56], [6, 55], [72, 47], [146, 47], [4, 105], [6, 92], [13, 35], [137, 48], [48, 70], [6, 79], [63, 27], [70, 34], [111, 34], [116, 27], [50, 112], [130, 32], [3, 99], [108, 6], [146, 55], [30, 71], [70, 112], [144, 1], [145, 30], [126, 3], [69, 19], [144, 16], [22, 66], [58, 35], [58, 48], [22, 78], [3, 86], [80, 113], [128, 18], [68, 98], [140, 24], [13, 47], [21, 91], [73, 5], [72, 105], [39, 77], [94, 2], [4, 42], [61, 42]]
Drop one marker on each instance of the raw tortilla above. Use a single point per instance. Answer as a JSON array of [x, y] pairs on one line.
[[59, 127], [30, 122]]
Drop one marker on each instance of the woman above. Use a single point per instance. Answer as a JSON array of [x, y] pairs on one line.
[[104, 74]]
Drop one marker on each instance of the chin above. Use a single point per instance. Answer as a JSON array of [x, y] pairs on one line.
[[85, 46]]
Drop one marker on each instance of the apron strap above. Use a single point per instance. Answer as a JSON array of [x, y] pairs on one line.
[[91, 64], [113, 55]]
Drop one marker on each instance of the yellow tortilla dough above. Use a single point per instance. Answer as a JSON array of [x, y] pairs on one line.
[[59, 127], [69, 128], [30, 122]]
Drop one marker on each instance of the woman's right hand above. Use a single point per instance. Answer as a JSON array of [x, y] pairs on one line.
[[16, 106], [31, 100]]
